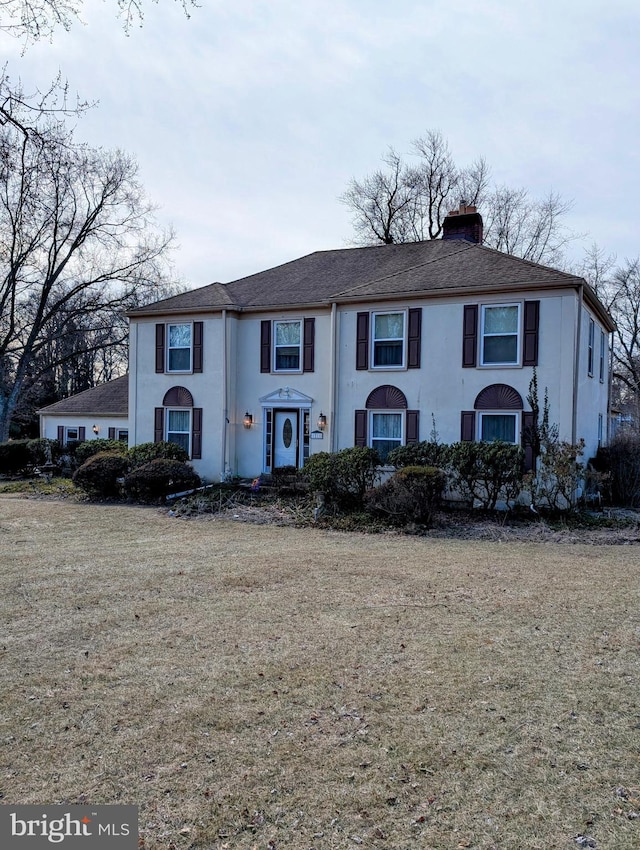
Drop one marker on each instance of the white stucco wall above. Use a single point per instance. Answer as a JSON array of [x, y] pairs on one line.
[[49, 424], [592, 393]]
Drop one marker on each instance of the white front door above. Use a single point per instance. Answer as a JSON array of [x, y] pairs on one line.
[[285, 438]]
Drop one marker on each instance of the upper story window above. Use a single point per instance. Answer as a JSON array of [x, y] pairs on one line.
[[287, 347], [500, 335], [590, 346], [179, 348], [603, 347], [388, 340]]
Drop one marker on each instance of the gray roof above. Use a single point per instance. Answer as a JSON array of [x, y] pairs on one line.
[[110, 399], [436, 267]]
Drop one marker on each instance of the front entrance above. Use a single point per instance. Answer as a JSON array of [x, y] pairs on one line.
[[285, 438]]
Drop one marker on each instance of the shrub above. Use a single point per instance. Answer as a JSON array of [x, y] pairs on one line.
[[42, 450], [98, 476], [487, 472], [159, 478], [344, 477], [558, 473], [419, 454], [413, 494], [146, 452], [621, 459], [91, 447], [14, 456]]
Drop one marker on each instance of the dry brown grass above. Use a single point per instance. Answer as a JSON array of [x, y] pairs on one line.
[[256, 686]]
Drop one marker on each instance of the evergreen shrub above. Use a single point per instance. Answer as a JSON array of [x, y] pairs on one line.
[[99, 475], [412, 495], [159, 478]]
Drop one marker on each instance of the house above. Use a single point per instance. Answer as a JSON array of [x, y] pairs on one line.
[[101, 411], [375, 346]]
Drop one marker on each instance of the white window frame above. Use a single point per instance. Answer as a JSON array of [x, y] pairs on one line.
[[600, 429], [274, 331], [69, 439], [372, 352], [603, 349], [120, 432], [591, 347], [518, 334], [513, 413], [171, 348], [167, 417], [371, 440]]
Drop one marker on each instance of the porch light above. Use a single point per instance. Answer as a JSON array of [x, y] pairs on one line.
[[96, 429], [322, 421], [248, 420]]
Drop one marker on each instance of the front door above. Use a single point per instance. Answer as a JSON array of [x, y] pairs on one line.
[[285, 438]]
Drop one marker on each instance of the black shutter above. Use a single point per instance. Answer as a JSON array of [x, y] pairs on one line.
[[528, 424], [112, 433], [265, 346], [414, 338], [159, 348], [198, 330], [360, 438], [470, 335], [82, 434], [158, 425], [308, 345], [196, 433], [61, 434], [468, 425], [531, 329], [362, 341], [412, 426]]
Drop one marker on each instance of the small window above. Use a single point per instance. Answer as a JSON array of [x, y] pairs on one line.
[[592, 333], [603, 347], [122, 434], [388, 340], [600, 428], [179, 348], [386, 432], [71, 435], [500, 335], [286, 351], [498, 426], [179, 428]]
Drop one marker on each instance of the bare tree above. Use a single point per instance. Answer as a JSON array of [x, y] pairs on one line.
[[78, 243], [409, 201], [33, 20]]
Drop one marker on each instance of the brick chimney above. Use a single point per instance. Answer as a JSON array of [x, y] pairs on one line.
[[463, 223]]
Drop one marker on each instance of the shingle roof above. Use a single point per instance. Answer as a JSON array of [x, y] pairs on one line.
[[110, 399], [383, 271]]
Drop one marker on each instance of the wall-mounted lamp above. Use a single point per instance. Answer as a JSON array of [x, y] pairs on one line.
[[322, 421], [248, 420], [96, 429]]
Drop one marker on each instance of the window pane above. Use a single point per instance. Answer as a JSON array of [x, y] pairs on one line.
[[500, 349], [179, 359], [500, 320], [179, 336], [180, 439], [179, 420], [498, 427], [387, 354], [287, 358], [387, 425], [287, 333], [389, 326]]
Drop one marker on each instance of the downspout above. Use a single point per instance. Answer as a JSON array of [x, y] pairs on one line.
[[333, 343], [225, 412], [132, 401], [576, 367]]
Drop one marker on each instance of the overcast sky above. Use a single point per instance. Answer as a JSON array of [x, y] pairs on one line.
[[249, 119]]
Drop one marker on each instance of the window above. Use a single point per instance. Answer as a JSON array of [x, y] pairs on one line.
[[122, 434], [179, 428], [386, 432], [602, 355], [71, 435], [498, 426], [592, 332], [388, 340], [600, 429], [179, 348], [286, 351], [500, 335]]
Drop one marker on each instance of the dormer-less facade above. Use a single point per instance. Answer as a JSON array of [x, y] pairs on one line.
[[376, 346]]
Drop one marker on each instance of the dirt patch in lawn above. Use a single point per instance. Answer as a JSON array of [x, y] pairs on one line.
[[281, 688]]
